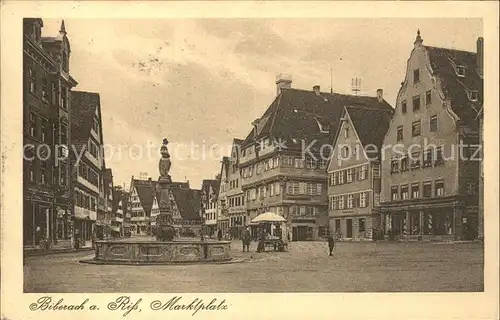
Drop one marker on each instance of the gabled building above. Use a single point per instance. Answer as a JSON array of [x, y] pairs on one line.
[[143, 195], [144, 204], [231, 213], [430, 188], [209, 194], [186, 206], [283, 159], [119, 209], [87, 160], [354, 170], [47, 128]]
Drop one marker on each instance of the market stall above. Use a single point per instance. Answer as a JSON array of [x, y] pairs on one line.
[[272, 234]]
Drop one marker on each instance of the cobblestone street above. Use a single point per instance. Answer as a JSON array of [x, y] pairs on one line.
[[355, 267]]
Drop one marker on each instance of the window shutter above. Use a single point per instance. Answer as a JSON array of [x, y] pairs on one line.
[[367, 203]]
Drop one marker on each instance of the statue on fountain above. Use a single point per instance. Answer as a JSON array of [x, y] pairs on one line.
[[164, 228]]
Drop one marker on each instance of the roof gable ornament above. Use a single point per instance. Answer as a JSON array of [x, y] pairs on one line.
[[62, 30], [418, 40]]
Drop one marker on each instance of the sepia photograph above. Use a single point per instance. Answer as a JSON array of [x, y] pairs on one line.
[[202, 159], [254, 155]]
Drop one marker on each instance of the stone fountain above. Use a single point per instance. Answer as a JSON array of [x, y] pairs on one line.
[[166, 249]]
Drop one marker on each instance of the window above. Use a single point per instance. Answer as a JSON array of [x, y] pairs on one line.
[[361, 225], [439, 156], [44, 176], [311, 163], [473, 96], [302, 210], [394, 193], [33, 124], [43, 129], [298, 163], [415, 129], [376, 171], [404, 192], [323, 163], [460, 71], [403, 106], [337, 225], [427, 158], [32, 81], [471, 188], [341, 177], [345, 152], [439, 187], [404, 164], [346, 133], [416, 76], [433, 124], [363, 172], [416, 103], [400, 133], [428, 97], [45, 93], [415, 160], [93, 149], [95, 125], [415, 191], [427, 192], [349, 175], [362, 199], [62, 175], [64, 98], [341, 202], [394, 166], [31, 171], [350, 199], [333, 178]]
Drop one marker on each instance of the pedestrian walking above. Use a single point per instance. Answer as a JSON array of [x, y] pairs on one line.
[[331, 245], [262, 238], [219, 235], [246, 238]]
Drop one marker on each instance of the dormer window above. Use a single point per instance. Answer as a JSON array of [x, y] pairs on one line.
[[473, 95], [323, 128], [460, 70]]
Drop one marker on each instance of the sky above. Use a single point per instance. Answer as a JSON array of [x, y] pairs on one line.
[[201, 82]]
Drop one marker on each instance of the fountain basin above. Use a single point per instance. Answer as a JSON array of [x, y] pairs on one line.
[[155, 252]]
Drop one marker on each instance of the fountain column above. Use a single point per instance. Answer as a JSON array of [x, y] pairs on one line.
[[164, 221]]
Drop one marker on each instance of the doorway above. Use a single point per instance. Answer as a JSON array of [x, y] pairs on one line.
[[299, 233], [349, 228]]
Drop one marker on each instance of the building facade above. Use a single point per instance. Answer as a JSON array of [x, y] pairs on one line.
[[87, 161], [284, 160], [46, 135], [354, 171], [430, 183], [231, 206], [186, 207], [209, 193]]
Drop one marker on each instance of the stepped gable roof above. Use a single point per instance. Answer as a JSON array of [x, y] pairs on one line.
[[83, 108], [443, 63], [296, 115], [188, 203]]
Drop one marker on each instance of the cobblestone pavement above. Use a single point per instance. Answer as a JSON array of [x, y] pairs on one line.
[[306, 267]]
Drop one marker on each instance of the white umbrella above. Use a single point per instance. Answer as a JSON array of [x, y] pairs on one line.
[[268, 217]]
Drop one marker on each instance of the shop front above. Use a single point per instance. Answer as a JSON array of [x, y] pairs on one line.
[[303, 229], [426, 221]]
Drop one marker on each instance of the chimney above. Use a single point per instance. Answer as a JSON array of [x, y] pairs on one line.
[[316, 90], [283, 81], [480, 55], [380, 95]]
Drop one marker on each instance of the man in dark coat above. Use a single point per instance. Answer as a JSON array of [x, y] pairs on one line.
[[219, 235], [331, 244], [247, 236]]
